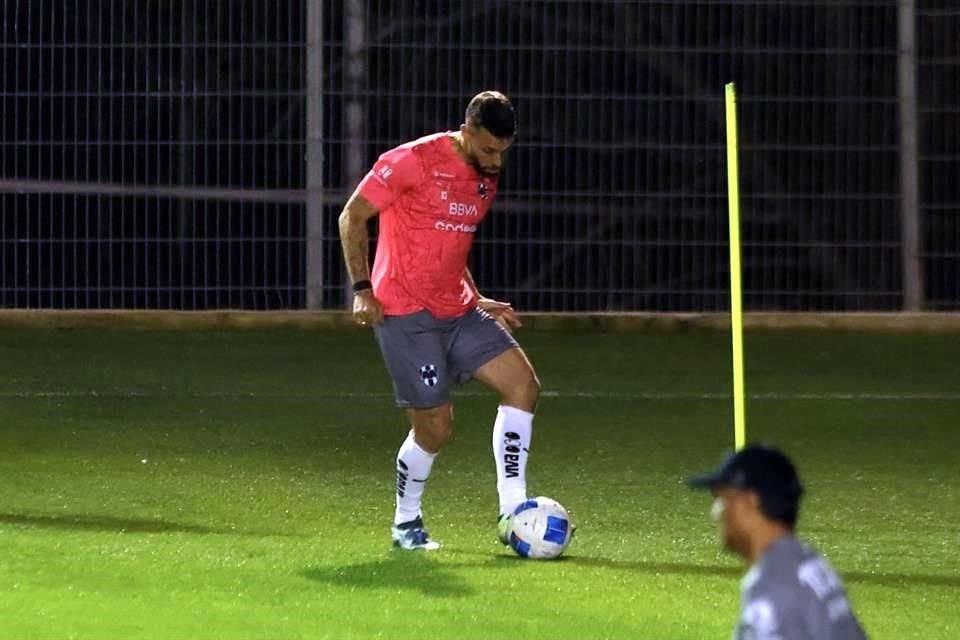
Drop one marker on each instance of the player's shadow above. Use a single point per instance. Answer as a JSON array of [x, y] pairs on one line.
[[675, 568], [900, 579], [656, 568], [86, 522], [406, 570]]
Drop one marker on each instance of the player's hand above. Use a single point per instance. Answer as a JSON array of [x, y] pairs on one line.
[[502, 311], [366, 309]]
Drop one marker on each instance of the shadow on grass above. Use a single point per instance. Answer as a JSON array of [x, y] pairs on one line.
[[411, 570], [656, 568], [901, 579], [682, 568], [77, 522], [432, 577]]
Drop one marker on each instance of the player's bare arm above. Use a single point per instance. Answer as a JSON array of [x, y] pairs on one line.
[[355, 240], [502, 311]]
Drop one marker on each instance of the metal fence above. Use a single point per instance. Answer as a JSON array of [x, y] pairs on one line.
[[195, 154], [938, 74], [153, 154]]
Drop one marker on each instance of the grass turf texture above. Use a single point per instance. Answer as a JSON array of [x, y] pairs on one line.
[[226, 484]]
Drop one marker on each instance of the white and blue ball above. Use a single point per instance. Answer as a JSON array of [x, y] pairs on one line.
[[540, 529]]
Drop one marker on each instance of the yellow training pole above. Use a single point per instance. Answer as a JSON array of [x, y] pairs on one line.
[[736, 306]]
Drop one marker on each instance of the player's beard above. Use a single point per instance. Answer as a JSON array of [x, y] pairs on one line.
[[487, 173]]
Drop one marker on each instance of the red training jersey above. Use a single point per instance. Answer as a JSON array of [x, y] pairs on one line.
[[430, 202]]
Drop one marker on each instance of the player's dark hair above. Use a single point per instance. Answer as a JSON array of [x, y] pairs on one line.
[[492, 111], [782, 508]]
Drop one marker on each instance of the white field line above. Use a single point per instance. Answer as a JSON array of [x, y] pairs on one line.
[[935, 396]]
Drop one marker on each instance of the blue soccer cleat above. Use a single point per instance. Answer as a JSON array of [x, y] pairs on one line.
[[412, 536], [503, 528]]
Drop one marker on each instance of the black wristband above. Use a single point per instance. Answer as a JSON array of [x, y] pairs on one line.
[[362, 285]]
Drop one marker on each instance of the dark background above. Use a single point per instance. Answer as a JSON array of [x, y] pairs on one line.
[[614, 198]]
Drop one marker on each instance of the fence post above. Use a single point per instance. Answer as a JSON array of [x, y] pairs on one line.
[[913, 289], [354, 107], [314, 156]]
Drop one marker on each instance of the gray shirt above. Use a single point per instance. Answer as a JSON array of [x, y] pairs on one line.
[[791, 593]]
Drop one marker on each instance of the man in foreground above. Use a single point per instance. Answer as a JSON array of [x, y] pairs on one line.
[[790, 592]]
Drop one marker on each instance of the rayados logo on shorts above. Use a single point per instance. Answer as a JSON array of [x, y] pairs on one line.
[[457, 228]]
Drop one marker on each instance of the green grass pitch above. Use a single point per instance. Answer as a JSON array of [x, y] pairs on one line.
[[239, 485]]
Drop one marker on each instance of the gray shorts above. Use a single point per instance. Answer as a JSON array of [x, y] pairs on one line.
[[425, 356]]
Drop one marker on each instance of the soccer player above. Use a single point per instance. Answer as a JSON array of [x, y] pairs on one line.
[[433, 326], [790, 592]]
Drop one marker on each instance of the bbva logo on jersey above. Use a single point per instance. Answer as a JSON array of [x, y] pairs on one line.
[[461, 209]]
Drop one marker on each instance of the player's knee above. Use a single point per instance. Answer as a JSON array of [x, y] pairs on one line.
[[524, 393], [434, 437], [442, 427], [532, 388], [433, 428]]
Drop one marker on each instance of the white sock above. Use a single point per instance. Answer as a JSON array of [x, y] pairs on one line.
[[511, 446], [413, 469]]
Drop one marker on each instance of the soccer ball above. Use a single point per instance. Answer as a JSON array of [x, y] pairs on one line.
[[540, 529]]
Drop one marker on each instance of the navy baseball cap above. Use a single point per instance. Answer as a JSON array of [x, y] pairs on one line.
[[766, 470]]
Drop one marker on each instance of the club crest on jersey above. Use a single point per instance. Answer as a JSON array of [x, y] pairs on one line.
[[428, 373], [482, 190]]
